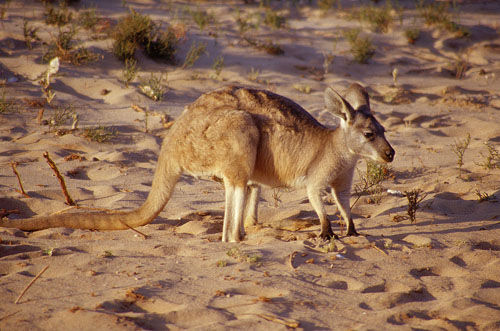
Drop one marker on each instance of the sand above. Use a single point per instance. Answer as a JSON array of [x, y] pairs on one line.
[[441, 272]]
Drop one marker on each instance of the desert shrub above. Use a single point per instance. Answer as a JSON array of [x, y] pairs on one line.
[[361, 47], [437, 14], [412, 35], [273, 19], [379, 18], [57, 15], [136, 30]]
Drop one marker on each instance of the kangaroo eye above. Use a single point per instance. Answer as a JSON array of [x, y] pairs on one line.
[[369, 135]]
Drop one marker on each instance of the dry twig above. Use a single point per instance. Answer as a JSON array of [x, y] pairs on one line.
[[30, 283], [145, 236], [14, 168], [290, 261], [51, 163]]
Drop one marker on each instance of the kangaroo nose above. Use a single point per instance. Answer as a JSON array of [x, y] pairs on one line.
[[389, 153]]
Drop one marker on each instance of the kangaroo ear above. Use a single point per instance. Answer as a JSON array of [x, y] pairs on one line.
[[358, 98], [336, 105]]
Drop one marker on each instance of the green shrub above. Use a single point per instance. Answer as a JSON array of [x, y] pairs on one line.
[[137, 30]]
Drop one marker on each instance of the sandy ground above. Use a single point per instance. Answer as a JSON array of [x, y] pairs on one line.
[[441, 272]]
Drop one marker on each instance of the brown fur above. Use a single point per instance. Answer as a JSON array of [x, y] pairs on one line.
[[248, 136]]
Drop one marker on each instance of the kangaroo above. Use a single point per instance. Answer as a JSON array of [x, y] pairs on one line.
[[251, 137]]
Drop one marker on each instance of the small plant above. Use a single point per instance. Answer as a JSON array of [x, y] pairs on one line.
[[371, 182], [414, 198], [221, 263], [3, 9], [412, 35], [99, 134], [437, 14], [327, 61], [492, 159], [58, 16], [379, 18], [194, 53], [30, 34], [217, 66], [268, 46], [361, 48], [201, 18], [273, 19], [153, 87], [107, 254], [61, 45], [302, 88], [276, 197], [459, 148], [88, 18], [246, 22], [460, 66], [482, 196], [254, 74], [45, 80], [325, 5], [129, 71], [48, 251], [6, 106], [241, 256], [61, 116], [329, 247]]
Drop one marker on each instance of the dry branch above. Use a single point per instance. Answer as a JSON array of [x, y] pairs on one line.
[[145, 236], [51, 163], [30, 283], [14, 168]]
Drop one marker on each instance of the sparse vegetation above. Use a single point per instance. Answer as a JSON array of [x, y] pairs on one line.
[[437, 14], [273, 19], [482, 196], [129, 71], [6, 106], [58, 15], [63, 47], [100, 134], [492, 158], [61, 115], [379, 18], [153, 87], [136, 30], [201, 18], [237, 254], [326, 5], [361, 47], [371, 182], [412, 35], [194, 53], [459, 148], [217, 66], [414, 198], [268, 46], [88, 18], [30, 34]]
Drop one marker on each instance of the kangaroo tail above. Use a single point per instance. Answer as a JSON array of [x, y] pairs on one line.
[[165, 178]]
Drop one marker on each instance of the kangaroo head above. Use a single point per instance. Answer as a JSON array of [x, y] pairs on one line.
[[364, 135]]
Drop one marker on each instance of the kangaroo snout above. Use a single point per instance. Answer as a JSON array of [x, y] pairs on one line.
[[389, 154]]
